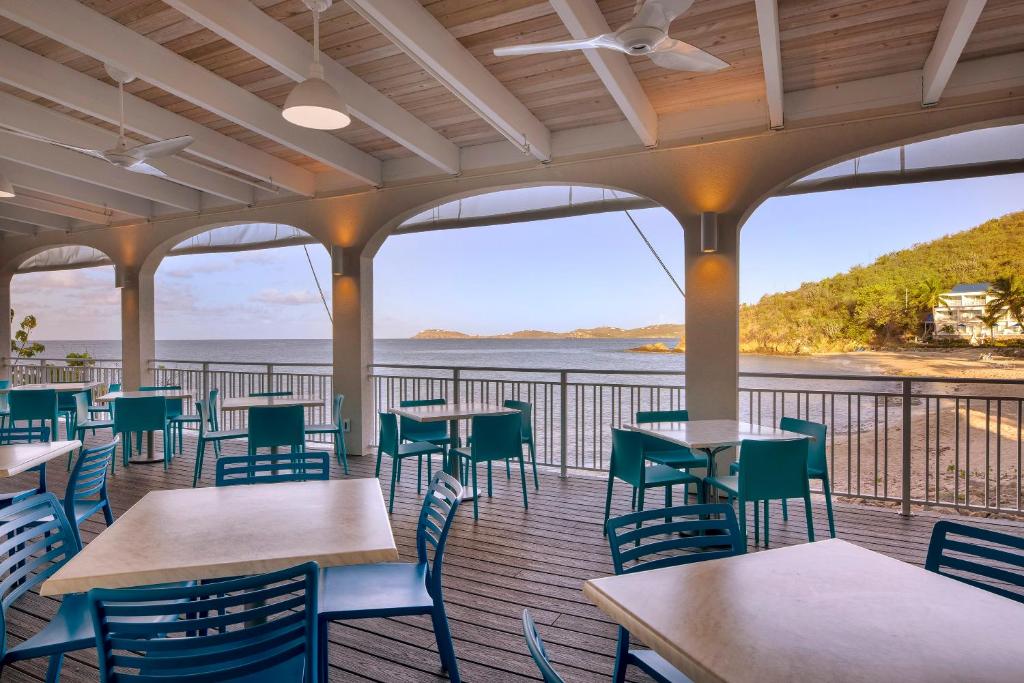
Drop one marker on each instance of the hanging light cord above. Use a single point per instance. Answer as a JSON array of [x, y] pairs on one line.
[[316, 37], [317, 281], [654, 252]]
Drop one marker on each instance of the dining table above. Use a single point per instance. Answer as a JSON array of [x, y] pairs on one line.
[[170, 394], [453, 413], [21, 457], [224, 531], [825, 611], [240, 403], [59, 387]]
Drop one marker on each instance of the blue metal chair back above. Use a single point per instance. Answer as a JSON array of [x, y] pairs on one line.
[[81, 408], [537, 650], [627, 459], [12, 435], [213, 418], [175, 406], [271, 469], [256, 628], [5, 403], [144, 414], [961, 559], [497, 437], [387, 441], [525, 415], [272, 426], [336, 405], [770, 470], [651, 416], [33, 404], [816, 460], [271, 393], [436, 516], [89, 476], [637, 546], [413, 431], [36, 540]]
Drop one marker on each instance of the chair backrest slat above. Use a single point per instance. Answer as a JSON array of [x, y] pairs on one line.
[[535, 645], [647, 541], [89, 475], [273, 468], [987, 559], [218, 631], [441, 503]]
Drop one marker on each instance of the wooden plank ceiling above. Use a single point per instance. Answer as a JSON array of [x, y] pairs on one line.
[[823, 42]]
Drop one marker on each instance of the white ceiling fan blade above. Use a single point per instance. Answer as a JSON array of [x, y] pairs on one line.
[[607, 41], [161, 148], [143, 167], [39, 138], [680, 56], [658, 14]]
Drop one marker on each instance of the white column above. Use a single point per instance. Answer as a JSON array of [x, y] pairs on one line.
[[5, 324], [138, 334], [352, 308]]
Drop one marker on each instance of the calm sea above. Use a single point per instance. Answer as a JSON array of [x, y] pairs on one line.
[[581, 354]]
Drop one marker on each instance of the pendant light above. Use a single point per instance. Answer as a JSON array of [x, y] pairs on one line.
[[6, 189], [314, 103]]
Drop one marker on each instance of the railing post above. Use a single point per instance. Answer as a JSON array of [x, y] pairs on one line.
[[206, 382], [563, 382], [456, 392], [270, 377], [905, 493]]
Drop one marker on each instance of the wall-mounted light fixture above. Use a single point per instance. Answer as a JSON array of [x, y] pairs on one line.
[[123, 277], [709, 232], [337, 260]]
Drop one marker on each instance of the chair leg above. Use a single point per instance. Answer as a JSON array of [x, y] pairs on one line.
[[810, 517], [668, 502], [379, 456], [608, 504], [396, 465], [766, 516], [757, 523], [339, 445], [621, 656], [508, 469], [200, 452], [785, 511], [108, 514], [640, 499], [490, 488], [476, 498], [419, 474], [322, 657], [522, 478], [53, 668], [445, 645], [632, 503], [533, 461], [827, 488]]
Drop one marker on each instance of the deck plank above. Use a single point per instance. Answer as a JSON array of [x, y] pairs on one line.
[[510, 558]]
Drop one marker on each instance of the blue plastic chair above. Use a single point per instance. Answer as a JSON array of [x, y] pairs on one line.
[[526, 417], [495, 437], [83, 421], [275, 426], [256, 629], [364, 591], [769, 470], [86, 492], [628, 463], [104, 408], [209, 432], [138, 415], [175, 415], [669, 537], [13, 435], [955, 551], [431, 432], [389, 444], [270, 469], [336, 428], [667, 453], [537, 650], [5, 403], [34, 406]]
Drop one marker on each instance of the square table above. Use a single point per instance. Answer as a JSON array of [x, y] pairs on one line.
[[453, 413], [825, 611], [61, 387], [169, 394], [19, 457], [218, 532]]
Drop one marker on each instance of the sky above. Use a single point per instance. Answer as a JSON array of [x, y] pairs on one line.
[[553, 275]]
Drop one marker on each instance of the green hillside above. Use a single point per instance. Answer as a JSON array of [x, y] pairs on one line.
[[883, 303]]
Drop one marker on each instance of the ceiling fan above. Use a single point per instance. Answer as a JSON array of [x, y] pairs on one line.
[[133, 158], [645, 34]]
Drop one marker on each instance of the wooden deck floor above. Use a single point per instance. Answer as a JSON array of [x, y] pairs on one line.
[[512, 558]]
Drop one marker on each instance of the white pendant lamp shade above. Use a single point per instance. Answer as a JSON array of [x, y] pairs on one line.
[[315, 104], [6, 189]]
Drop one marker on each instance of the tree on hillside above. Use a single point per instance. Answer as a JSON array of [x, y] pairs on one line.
[[928, 297], [990, 319], [1008, 295]]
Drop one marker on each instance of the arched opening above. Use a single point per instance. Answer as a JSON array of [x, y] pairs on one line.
[[66, 317], [513, 293]]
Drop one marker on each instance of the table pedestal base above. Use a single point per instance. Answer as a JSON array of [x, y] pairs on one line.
[[148, 458]]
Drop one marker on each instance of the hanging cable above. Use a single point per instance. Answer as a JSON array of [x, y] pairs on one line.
[[320, 289], [654, 252]]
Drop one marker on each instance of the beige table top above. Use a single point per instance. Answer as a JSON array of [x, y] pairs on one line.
[[17, 458], [216, 532], [713, 433], [166, 393], [451, 411], [826, 611], [58, 386], [246, 402]]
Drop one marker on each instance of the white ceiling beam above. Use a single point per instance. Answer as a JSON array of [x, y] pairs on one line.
[[81, 167], [78, 213], [19, 228], [33, 73], [102, 38], [415, 30], [20, 214], [274, 44], [21, 115], [584, 19], [771, 58], [31, 178], [954, 31]]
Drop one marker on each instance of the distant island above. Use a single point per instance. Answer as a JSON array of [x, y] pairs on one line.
[[660, 331]]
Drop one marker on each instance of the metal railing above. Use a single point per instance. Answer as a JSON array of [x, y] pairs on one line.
[[46, 370], [952, 442]]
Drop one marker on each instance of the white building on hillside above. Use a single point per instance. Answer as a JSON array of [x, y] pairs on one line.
[[960, 310]]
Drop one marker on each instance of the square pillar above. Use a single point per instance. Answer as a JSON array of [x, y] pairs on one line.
[[138, 333], [352, 310]]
